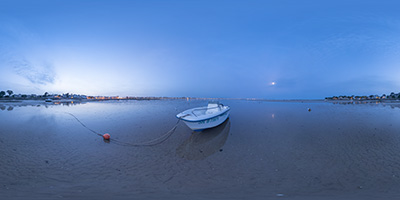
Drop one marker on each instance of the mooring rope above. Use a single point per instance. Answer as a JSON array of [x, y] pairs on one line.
[[153, 142], [84, 124]]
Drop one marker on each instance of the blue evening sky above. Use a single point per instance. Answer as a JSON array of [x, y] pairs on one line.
[[201, 48]]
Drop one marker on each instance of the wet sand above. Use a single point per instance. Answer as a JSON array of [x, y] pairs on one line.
[[266, 150]]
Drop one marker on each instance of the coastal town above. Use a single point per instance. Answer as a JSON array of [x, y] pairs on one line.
[[9, 95], [391, 96]]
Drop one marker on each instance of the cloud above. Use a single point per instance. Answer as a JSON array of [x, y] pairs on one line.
[[41, 74], [22, 55]]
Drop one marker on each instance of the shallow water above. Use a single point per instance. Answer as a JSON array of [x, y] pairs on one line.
[[265, 150]]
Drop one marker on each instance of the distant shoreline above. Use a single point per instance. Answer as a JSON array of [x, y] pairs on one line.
[[161, 98], [366, 100], [79, 101]]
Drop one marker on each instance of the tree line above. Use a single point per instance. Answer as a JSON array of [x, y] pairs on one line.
[[9, 92]]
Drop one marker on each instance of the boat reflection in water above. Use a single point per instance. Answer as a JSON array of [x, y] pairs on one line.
[[205, 143]]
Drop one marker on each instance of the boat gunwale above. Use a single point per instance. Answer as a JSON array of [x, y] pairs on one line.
[[198, 120]]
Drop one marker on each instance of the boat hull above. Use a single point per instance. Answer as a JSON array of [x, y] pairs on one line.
[[207, 123]]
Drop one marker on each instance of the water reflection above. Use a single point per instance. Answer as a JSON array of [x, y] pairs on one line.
[[67, 103], [205, 143], [11, 105], [391, 104], [355, 102], [8, 108]]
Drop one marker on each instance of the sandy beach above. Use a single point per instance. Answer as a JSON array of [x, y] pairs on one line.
[[265, 150]]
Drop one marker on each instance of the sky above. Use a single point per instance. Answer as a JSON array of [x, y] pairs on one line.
[[271, 49]]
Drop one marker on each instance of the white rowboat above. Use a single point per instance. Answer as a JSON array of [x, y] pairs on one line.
[[205, 117]]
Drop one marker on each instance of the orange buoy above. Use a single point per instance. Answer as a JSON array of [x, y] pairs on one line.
[[106, 136]]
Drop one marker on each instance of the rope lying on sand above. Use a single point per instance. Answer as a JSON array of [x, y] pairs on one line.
[[84, 124], [153, 142]]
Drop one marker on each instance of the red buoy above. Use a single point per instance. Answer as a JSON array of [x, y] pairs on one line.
[[106, 136]]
